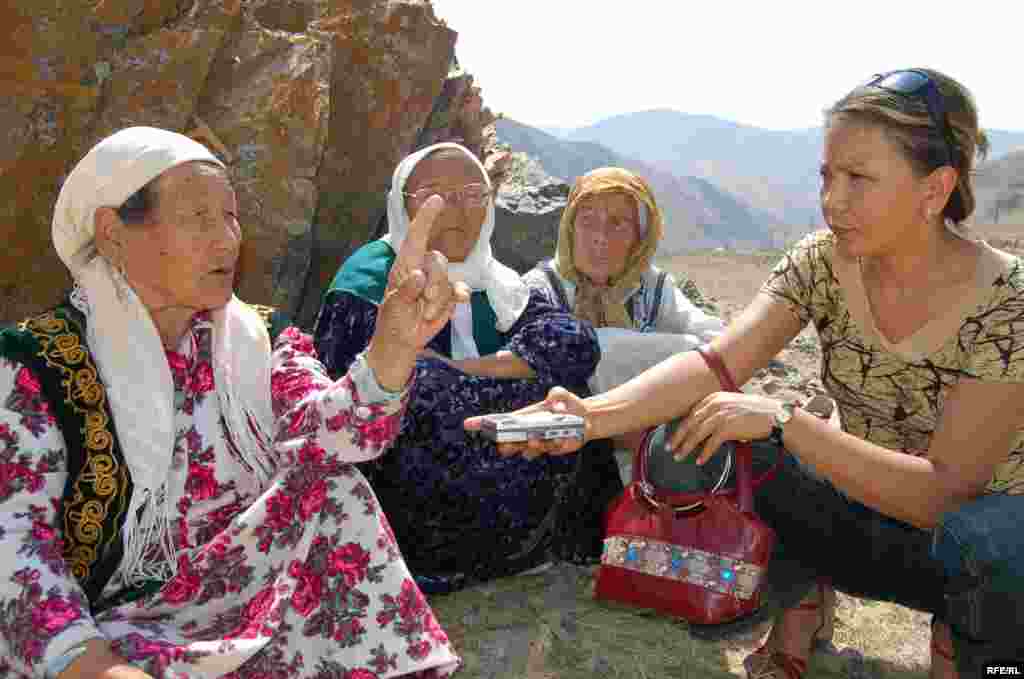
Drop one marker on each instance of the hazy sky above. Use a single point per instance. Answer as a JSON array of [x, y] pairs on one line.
[[776, 64]]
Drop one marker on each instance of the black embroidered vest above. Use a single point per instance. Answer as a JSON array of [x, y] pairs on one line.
[[99, 487]]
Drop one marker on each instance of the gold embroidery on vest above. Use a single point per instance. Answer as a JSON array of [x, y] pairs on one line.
[[83, 517]]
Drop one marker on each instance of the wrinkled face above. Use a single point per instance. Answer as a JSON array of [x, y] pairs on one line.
[[457, 228], [607, 228], [184, 255], [871, 197]]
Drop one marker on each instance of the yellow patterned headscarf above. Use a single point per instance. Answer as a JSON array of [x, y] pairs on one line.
[[605, 306]]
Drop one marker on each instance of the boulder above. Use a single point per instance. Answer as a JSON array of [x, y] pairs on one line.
[[529, 206], [310, 103], [266, 105], [390, 63], [130, 63]]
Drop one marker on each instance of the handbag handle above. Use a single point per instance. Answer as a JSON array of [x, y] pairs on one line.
[[744, 453], [745, 481]]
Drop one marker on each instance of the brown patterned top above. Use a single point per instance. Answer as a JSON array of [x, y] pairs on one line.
[[892, 393]]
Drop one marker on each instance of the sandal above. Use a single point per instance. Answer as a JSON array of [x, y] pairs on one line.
[[943, 658], [767, 662]]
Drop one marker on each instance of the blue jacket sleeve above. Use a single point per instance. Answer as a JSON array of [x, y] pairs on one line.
[[343, 329], [560, 348]]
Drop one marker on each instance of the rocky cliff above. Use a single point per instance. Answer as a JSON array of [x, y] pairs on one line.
[[311, 103]]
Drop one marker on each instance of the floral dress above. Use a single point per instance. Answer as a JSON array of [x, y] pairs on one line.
[[300, 577], [461, 512]]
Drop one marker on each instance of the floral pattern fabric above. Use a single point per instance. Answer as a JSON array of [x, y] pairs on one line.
[[461, 512], [300, 578]]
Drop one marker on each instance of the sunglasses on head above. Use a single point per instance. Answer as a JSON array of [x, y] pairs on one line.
[[914, 83]]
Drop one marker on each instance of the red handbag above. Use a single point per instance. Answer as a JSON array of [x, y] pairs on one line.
[[701, 557]]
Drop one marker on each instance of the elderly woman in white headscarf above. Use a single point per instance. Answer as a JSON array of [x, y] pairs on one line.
[[462, 513], [177, 498]]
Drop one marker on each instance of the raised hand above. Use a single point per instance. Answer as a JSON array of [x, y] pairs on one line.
[[417, 303], [558, 400]]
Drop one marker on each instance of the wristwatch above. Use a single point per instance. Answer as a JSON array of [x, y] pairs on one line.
[[783, 415]]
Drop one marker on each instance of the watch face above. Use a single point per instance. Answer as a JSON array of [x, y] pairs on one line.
[[820, 406]]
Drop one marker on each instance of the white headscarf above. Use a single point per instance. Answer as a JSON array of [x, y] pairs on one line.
[[506, 291], [127, 348]]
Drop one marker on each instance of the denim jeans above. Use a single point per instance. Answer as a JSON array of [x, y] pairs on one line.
[[968, 572], [981, 549]]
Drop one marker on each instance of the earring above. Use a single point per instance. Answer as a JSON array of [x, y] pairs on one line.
[[120, 282]]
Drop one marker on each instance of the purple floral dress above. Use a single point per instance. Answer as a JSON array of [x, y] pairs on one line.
[[461, 512], [301, 577]]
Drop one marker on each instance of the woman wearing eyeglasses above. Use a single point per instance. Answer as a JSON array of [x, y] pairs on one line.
[[461, 512], [919, 499]]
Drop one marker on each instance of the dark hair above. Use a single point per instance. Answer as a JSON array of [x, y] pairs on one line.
[[137, 207], [905, 119]]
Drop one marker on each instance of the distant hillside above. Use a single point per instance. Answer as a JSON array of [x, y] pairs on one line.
[[560, 158], [697, 213], [1000, 190], [775, 172], [560, 132]]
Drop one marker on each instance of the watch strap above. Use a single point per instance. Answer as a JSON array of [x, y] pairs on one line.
[[779, 421]]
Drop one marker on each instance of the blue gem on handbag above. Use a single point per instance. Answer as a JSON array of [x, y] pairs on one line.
[[697, 567], [677, 560]]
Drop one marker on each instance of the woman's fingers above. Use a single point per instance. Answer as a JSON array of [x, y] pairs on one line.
[[564, 446], [408, 286], [559, 400], [701, 425], [685, 429], [437, 292], [414, 247], [531, 450], [535, 449], [461, 292], [474, 423]]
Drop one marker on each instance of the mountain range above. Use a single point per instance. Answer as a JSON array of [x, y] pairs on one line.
[[733, 184], [999, 189], [697, 213]]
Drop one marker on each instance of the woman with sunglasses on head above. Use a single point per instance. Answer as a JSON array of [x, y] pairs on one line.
[[920, 497], [461, 512]]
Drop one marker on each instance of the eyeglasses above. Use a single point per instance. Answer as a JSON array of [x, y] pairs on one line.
[[470, 195], [914, 83]]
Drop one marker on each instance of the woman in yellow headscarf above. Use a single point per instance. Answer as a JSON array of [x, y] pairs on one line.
[[602, 273]]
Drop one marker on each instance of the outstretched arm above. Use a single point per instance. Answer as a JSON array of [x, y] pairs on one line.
[[979, 423], [671, 388]]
